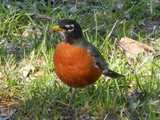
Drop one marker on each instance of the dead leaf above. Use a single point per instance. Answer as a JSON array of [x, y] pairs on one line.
[[1, 76], [133, 48], [40, 62], [32, 31], [42, 17], [26, 70], [39, 73]]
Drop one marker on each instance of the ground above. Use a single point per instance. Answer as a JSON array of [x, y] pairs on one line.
[[29, 88]]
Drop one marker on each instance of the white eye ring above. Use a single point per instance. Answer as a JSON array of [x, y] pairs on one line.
[[72, 25], [70, 30], [69, 26]]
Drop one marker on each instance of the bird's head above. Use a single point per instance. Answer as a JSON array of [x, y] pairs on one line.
[[69, 30]]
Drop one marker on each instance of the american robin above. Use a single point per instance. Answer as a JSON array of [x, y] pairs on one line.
[[77, 62]]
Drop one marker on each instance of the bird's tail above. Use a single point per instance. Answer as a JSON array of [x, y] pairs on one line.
[[112, 74]]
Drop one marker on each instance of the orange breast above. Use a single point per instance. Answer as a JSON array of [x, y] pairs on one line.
[[75, 66]]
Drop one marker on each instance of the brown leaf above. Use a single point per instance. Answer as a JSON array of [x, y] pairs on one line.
[[39, 73], [31, 31], [26, 70], [133, 48], [1, 76]]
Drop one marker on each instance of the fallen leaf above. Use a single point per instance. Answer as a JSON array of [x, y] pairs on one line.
[[1, 76], [133, 48], [40, 62], [39, 73], [42, 17], [31, 31], [26, 70]]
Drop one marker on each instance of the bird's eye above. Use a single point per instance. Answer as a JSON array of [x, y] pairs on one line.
[[69, 27]]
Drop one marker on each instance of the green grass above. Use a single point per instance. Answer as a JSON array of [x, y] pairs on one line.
[[27, 71]]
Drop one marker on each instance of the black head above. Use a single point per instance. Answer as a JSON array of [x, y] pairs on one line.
[[69, 29]]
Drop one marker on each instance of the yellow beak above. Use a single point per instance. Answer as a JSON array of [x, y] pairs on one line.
[[57, 28]]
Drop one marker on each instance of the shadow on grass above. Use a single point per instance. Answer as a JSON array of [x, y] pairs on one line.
[[52, 102], [42, 101]]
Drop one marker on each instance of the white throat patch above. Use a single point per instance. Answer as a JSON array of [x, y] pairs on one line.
[[62, 35]]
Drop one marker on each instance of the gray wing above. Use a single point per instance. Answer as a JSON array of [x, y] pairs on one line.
[[98, 58], [101, 63]]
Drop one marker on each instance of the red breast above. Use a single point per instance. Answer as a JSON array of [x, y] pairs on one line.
[[75, 66]]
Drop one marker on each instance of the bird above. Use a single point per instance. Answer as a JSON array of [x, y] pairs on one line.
[[77, 62]]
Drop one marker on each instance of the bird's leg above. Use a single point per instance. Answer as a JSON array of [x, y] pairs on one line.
[[76, 4], [72, 95]]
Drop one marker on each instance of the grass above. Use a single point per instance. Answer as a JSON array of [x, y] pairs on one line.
[[27, 77]]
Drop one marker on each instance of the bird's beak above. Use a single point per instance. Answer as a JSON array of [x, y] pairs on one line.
[[57, 28]]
